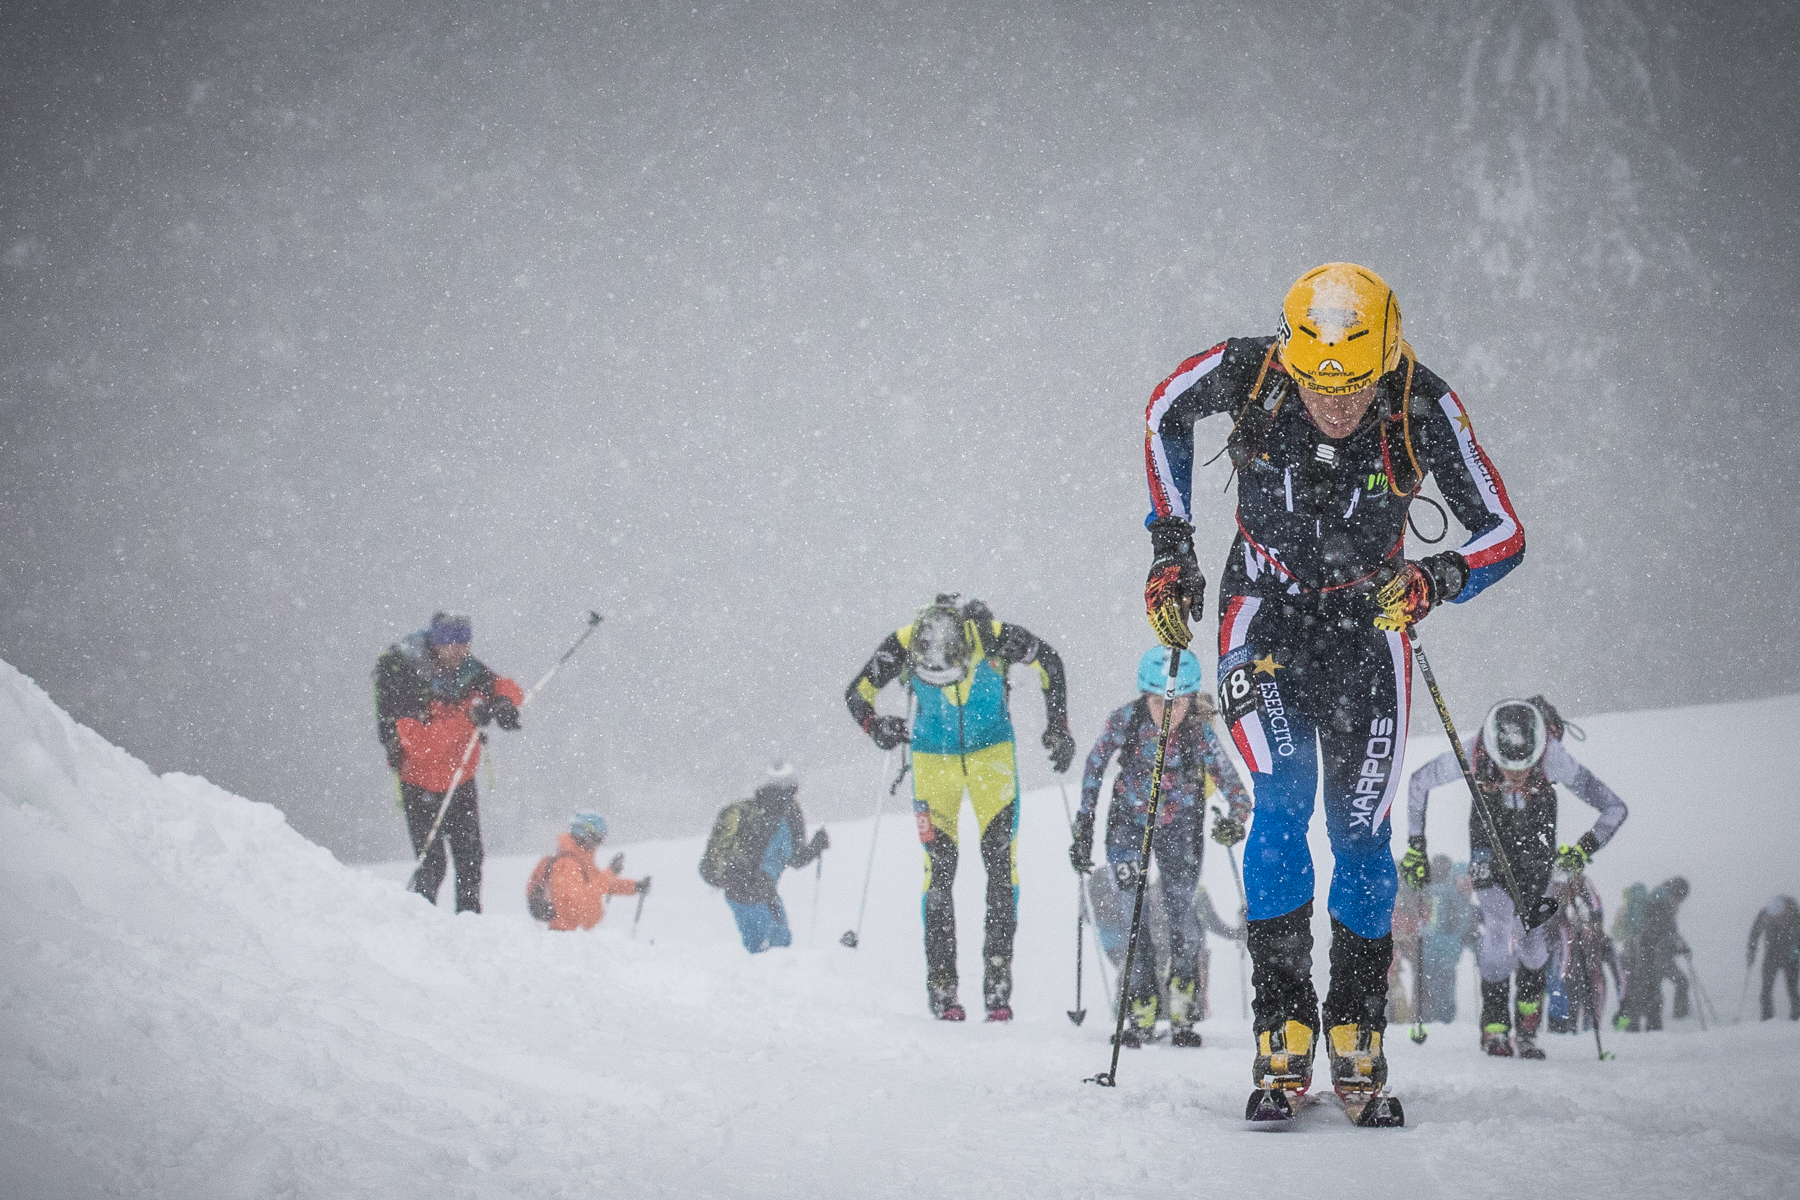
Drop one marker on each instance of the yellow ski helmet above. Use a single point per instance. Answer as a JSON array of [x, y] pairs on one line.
[[1340, 329]]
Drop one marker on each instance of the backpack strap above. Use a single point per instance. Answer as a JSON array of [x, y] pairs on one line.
[[1404, 476], [1251, 428]]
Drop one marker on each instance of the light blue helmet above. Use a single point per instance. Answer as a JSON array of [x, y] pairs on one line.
[[588, 826], [1153, 672]]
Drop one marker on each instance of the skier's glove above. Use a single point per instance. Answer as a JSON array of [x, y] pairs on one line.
[[506, 713], [886, 732], [1061, 744], [617, 864], [1175, 590], [1573, 860], [1415, 864], [1407, 594], [1228, 831], [643, 886], [1081, 850], [821, 841], [497, 709]]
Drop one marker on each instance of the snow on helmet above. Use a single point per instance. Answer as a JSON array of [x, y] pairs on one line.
[[1339, 330], [939, 651], [783, 781], [588, 826], [1153, 672], [1514, 735]]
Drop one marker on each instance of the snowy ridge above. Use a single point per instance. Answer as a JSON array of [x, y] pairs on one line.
[[201, 1003]]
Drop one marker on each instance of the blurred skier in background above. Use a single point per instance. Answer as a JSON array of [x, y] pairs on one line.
[[1518, 758], [568, 889], [1195, 768], [1336, 424], [1778, 927], [431, 695], [1659, 944], [1452, 924], [1577, 937], [752, 842], [953, 658], [1628, 937]]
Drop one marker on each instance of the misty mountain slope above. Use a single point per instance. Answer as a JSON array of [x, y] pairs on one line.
[[202, 1003], [754, 326]]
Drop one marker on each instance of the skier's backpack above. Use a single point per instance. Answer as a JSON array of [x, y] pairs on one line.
[[537, 890], [722, 845]]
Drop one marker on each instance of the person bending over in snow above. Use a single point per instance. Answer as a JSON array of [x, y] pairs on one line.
[[954, 658], [1518, 759], [569, 889], [1778, 927], [1336, 424], [431, 695], [753, 841], [1194, 768]]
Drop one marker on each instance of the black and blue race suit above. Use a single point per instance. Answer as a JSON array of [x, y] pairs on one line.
[[1307, 684]]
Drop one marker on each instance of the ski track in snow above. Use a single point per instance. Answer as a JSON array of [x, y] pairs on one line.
[[201, 1003]]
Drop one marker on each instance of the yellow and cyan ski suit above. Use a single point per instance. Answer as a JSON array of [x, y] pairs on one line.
[[962, 740]]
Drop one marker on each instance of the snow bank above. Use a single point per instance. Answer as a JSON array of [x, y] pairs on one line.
[[201, 1003]]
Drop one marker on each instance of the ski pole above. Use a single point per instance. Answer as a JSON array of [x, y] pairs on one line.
[[1417, 1033], [1243, 919], [1110, 1077], [639, 914], [1083, 908], [1583, 923], [812, 933], [1544, 907], [593, 623], [1743, 992], [853, 937], [1702, 1001]]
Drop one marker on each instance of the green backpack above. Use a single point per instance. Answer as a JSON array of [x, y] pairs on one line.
[[722, 845]]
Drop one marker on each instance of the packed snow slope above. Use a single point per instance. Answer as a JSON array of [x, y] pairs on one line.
[[199, 1003]]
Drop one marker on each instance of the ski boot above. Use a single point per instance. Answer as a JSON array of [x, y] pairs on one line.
[[1140, 1026], [1495, 1042], [1358, 1067], [996, 989], [1184, 1005], [1525, 1036], [1528, 1010], [1282, 1072], [944, 1005], [1284, 1059]]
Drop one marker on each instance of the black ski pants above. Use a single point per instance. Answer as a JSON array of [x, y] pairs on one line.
[[939, 905], [461, 830], [1176, 846], [1771, 968]]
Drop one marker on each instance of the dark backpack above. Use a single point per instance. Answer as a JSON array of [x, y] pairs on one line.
[[722, 845], [537, 890]]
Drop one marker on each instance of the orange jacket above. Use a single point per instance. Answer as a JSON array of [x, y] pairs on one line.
[[579, 887], [434, 746]]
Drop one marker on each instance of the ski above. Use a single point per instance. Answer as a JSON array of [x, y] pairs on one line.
[[1372, 1110], [1273, 1108]]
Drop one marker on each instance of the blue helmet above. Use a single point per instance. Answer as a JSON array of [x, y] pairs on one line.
[[1153, 672], [588, 826]]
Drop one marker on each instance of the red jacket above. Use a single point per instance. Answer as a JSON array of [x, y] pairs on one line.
[[579, 888], [434, 746]]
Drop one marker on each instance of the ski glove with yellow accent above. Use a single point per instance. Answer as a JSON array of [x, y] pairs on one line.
[[1415, 865], [1175, 590], [1407, 594], [1573, 860]]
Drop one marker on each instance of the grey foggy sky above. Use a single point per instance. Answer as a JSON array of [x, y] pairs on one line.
[[754, 325]]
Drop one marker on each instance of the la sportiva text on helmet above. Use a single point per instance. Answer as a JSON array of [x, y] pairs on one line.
[[1339, 329]]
